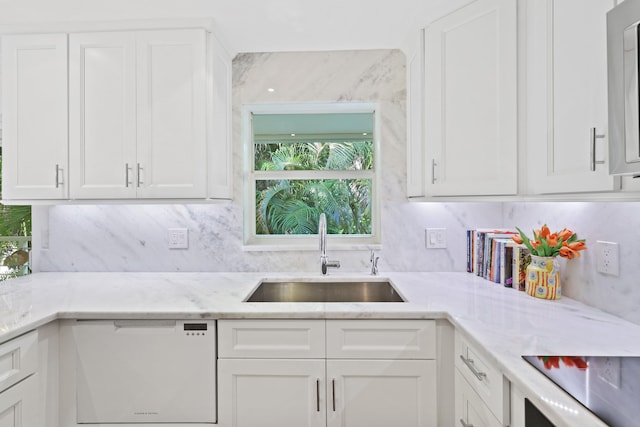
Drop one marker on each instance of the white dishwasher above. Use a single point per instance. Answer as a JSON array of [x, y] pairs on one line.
[[145, 371]]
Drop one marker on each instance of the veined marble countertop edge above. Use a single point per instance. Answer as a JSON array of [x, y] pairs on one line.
[[503, 322]]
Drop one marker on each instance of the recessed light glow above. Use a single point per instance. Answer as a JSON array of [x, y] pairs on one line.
[[293, 134], [271, 89], [364, 133]]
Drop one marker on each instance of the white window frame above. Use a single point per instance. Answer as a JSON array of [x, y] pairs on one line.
[[250, 176]]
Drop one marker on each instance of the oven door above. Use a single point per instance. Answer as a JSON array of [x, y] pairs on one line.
[[533, 417]]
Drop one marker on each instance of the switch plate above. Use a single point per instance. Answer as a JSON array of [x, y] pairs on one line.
[[607, 258], [178, 238], [436, 238]]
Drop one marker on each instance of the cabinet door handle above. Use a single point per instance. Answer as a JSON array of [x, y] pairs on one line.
[[465, 424], [333, 394], [138, 169], [593, 136], [58, 169], [472, 367], [127, 182], [433, 171], [317, 395]]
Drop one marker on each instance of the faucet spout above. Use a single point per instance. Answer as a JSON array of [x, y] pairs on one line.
[[322, 233]]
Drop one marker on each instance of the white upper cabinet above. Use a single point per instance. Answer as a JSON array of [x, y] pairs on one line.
[[415, 118], [34, 80], [566, 96], [138, 114], [102, 119], [470, 101], [219, 156]]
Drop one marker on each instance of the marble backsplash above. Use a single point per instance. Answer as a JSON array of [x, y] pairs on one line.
[[134, 237]]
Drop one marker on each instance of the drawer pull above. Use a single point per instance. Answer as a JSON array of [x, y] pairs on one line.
[[318, 395], [469, 362], [465, 424]]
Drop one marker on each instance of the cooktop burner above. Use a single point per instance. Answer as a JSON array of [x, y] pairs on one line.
[[607, 386]]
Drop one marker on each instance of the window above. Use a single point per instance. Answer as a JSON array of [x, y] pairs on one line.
[[304, 160], [15, 238]]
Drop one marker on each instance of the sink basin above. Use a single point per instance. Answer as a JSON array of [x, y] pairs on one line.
[[325, 291]]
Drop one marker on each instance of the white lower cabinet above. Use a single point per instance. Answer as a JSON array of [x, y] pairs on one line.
[[19, 382], [271, 393], [470, 409], [380, 393], [19, 404], [481, 390], [392, 381]]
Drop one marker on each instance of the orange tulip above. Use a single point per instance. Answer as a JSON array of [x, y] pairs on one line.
[[535, 244], [552, 240], [516, 238], [565, 234], [545, 232], [577, 246], [567, 252]]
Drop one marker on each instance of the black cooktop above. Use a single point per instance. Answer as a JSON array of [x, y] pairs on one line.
[[607, 386]]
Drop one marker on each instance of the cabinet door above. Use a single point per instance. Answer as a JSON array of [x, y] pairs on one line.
[[19, 404], [381, 393], [471, 101], [219, 135], [415, 111], [172, 155], [35, 141], [102, 103], [567, 96], [271, 393], [470, 410]]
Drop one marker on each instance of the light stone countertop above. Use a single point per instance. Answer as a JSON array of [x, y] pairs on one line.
[[505, 323]]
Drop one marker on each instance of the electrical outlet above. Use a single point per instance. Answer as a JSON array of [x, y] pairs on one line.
[[436, 238], [607, 258], [607, 369], [178, 238]]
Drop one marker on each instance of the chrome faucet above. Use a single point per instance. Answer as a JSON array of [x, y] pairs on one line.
[[322, 233], [374, 263]]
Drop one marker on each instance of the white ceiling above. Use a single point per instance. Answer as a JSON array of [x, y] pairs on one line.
[[256, 25]]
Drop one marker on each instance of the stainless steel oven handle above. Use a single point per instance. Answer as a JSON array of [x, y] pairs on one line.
[[317, 394], [465, 424], [472, 367]]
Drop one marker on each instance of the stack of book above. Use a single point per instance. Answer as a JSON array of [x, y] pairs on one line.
[[493, 255]]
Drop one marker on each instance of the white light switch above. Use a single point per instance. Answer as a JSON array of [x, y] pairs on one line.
[[436, 238], [178, 238]]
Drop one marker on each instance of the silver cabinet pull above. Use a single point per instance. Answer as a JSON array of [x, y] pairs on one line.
[[472, 367], [317, 395], [433, 171], [127, 182], [593, 136], [58, 169], [333, 394], [138, 169], [465, 424]]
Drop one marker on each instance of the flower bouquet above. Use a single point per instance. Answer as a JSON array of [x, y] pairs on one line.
[[543, 276], [546, 244]]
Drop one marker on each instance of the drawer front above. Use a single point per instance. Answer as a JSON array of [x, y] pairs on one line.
[[470, 409], [381, 339], [266, 339], [19, 404], [18, 359], [487, 381]]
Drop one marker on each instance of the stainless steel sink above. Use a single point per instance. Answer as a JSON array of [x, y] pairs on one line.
[[325, 291]]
